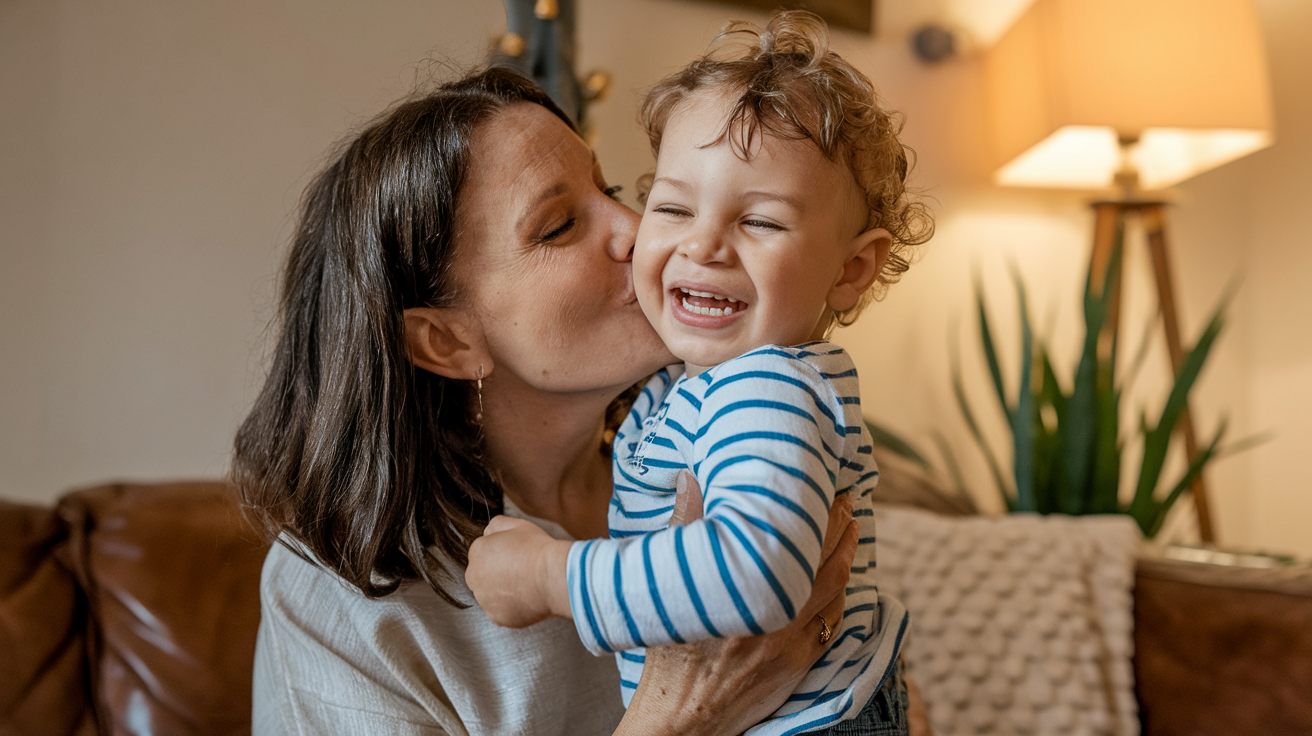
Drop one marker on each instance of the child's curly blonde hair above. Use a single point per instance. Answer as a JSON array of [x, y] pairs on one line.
[[785, 82]]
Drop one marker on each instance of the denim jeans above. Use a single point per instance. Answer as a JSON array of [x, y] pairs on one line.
[[884, 715]]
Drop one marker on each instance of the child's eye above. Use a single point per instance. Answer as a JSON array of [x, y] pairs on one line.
[[667, 209], [763, 224]]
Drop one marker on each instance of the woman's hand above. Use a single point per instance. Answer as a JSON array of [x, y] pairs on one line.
[[725, 686], [517, 573]]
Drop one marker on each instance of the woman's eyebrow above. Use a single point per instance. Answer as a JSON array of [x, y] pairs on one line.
[[545, 196]]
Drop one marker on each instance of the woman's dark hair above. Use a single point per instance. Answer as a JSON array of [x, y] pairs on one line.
[[364, 460]]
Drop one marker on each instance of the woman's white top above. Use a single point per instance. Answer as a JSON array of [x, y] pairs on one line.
[[330, 661]]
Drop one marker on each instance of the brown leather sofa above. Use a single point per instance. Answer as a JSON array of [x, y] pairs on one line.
[[132, 609], [128, 609]]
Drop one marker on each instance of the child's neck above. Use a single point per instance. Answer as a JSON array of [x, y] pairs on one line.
[[692, 371]]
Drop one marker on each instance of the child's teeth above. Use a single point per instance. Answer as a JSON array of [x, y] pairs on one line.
[[705, 294], [707, 311]]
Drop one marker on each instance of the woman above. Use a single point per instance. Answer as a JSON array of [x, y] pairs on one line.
[[456, 318]]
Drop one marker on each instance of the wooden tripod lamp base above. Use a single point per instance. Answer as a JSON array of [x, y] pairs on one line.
[[1109, 217]]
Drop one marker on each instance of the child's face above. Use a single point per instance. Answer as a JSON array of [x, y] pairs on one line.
[[732, 254]]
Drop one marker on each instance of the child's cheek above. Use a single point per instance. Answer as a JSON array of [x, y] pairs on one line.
[[647, 268]]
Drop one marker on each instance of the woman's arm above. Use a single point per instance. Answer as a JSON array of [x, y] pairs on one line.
[[724, 686]]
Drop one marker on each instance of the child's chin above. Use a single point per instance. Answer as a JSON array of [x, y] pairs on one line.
[[706, 358]]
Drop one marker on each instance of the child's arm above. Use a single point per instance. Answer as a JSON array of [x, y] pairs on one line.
[[766, 459]]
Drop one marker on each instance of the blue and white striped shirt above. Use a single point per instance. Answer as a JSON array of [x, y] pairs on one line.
[[772, 436]]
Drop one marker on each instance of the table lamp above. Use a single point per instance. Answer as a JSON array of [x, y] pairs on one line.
[[1132, 96]]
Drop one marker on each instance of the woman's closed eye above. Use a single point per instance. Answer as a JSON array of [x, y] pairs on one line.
[[557, 232]]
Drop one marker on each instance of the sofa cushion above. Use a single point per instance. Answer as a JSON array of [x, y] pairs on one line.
[[42, 619], [171, 574], [1020, 624]]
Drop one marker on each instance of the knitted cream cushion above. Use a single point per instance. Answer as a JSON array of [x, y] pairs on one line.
[[1020, 624]]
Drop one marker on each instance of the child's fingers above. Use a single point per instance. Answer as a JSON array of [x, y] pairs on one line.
[[500, 523], [687, 499]]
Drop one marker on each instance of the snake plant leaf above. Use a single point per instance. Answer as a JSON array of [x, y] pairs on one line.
[[1066, 445], [1081, 430], [1247, 443], [1157, 439], [990, 353], [954, 469], [1140, 353], [969, 416], [1050, 386], [950, 460], [1048, 483], [887, 439], [1046, 450], [1025, 415], [1102, 496], [1162, 507]]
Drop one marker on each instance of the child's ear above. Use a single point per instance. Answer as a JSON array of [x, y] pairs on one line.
[[866, 254], [447, 342]]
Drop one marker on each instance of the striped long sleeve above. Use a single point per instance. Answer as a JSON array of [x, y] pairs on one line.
[[765, 435]]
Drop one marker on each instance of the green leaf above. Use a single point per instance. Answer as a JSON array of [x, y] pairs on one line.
[[1247, 443], [887, 439], [1080, 433], [990, 353], [1102, 492], [1048, 451], [964, 405], [1140, 353], [1050, 388], [1157, 439], [1163, 507], [950, 461], [1025, 415]]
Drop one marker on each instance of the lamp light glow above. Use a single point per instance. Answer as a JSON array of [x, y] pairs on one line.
[[1088, 157], [1185, 81]]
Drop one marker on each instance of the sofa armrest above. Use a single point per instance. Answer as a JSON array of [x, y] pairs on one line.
[[171, 574], [1223, 650], [43, 616]]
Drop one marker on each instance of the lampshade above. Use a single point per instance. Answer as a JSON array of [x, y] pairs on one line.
[[1185, 80]]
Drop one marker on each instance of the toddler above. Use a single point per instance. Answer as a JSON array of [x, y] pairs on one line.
[[777, 208]]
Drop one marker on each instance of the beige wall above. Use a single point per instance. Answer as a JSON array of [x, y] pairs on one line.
[[153, 154]]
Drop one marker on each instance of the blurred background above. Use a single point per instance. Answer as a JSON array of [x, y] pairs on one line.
[[152, 154]]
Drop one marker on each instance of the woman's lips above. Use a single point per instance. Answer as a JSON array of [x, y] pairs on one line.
[[704, 308]]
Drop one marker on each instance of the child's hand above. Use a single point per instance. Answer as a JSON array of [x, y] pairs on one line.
[[517, 573]]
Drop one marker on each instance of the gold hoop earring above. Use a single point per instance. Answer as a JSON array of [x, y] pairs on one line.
[[479, 416]]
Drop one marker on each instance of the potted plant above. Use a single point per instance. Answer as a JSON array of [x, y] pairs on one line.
[[1066, 440]]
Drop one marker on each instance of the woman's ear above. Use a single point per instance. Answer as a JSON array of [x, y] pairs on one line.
[[866, 254], [446, 342]]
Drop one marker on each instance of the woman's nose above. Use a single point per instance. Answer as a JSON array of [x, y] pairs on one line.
[[624, 233]]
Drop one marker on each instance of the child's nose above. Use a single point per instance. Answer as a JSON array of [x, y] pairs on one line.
[[704, 248]]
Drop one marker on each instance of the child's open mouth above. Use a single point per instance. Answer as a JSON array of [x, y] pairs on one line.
[[691, 303]]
